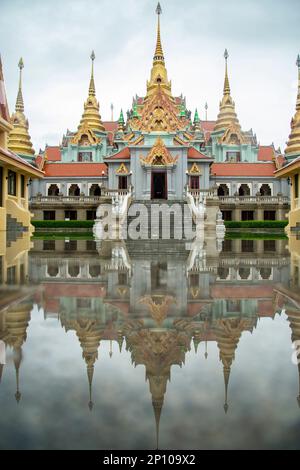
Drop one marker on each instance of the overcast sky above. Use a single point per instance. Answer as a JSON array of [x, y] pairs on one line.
[[55, 39]]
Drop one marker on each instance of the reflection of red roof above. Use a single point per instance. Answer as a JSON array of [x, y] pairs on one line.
[[246, 291], [53, 154], [266, 153], [63, 289], [265, 308], [75, 169], [122, 155], [243, 169], [196, 155]]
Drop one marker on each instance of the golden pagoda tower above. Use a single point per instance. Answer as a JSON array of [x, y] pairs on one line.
[[227, 115], [159, 74], [293, 145], [19, 139], [91, 119]]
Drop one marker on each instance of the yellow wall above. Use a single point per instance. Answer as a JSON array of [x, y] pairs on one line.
[[15, 206]]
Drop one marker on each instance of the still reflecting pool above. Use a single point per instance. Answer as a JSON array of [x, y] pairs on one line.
[[171, 345]]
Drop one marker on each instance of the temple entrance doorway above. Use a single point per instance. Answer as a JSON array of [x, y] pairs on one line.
[[159, 185]]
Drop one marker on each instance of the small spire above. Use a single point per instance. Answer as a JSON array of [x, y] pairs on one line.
[[110, 349], [135, 111], [206, 108], [196, 118], [20, 101], [158, 55], [112, 111], [226, 82], [206, 353], [182, 111], [92, 88], [121, 118]]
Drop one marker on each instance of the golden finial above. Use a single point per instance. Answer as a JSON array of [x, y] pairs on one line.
[[226, 83], [92, 89], [159, 55], [298, 97], [20, 101]]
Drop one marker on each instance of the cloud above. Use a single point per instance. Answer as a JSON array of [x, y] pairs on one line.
[[55, 39]]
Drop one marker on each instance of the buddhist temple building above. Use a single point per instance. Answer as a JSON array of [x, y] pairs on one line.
[[15, 171], [160, 150]]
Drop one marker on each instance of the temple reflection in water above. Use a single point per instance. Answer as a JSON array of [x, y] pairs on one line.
[[154, 301]]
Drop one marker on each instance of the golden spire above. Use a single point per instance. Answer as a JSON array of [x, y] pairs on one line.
[[159, 74], [158, 55], [92, 88], [17, 362], [19, 138], [226, 82], [90, 374], [91, 119], [293, 145], [227, 115], [20, 101]]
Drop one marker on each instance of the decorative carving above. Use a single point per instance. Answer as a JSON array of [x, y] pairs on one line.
[[159, 155], [233, 135], [122, 170], [85, 136], [158, 305], [195, 170]]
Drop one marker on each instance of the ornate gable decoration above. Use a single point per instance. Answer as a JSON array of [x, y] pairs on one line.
[[159, 114], [159, 155], [122, 170], [195, 170], [85, 137], [233, 136]]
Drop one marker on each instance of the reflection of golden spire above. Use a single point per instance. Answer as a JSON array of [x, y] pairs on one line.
[[90, 374], [228, 335], [19, 138], [91, 119], [206, 353], [17, 362], [157, 407], [293, 146], [110, 349], [1, 371], [227, 115], [159, 75], [294, 321]]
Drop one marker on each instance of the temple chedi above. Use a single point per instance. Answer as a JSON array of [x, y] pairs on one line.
[[19, 138], [293, 145]]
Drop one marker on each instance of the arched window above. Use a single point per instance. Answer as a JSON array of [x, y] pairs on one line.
[[74, 270], [74, 190], [265, 190], [223, 190], [95, 270], [223, 273], [244, 190], [95, 190], [265, 273], [52, 269], [53, 190], [244, 273]]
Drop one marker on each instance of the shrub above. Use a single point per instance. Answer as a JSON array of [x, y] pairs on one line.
[[63, 223], [256, 224]]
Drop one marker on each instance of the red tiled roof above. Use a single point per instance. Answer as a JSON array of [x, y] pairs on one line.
[[53, 154], [243, 169], [266, 153], [124, 154], [4, 112], [75, 169], [208, 125], [110, 126], [20, 160], [196, 155]]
